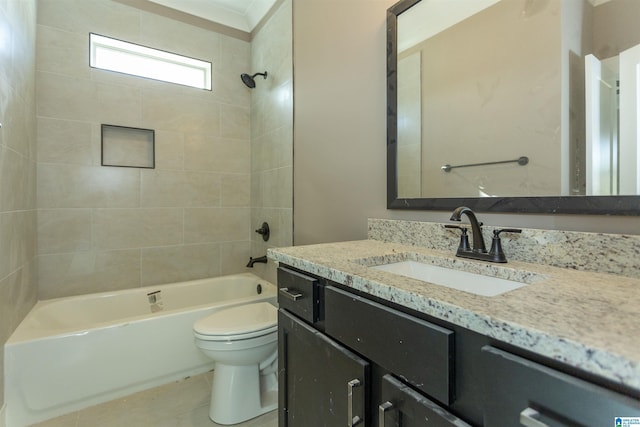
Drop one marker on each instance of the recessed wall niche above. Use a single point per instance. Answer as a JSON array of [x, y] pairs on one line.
[[128, 147]]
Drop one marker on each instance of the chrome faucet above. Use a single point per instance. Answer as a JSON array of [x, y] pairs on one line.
[[478, 250]]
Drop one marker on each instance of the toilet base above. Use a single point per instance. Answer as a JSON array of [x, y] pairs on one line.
[[240, 393]]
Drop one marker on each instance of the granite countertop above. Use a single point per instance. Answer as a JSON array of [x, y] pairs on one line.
[[584, 319]]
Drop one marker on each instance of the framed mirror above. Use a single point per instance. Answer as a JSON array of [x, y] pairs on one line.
[[488, 106]]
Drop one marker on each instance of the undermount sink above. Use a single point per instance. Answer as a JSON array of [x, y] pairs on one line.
[[456, 279]]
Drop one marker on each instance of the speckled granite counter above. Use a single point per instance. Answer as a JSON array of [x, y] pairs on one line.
[[585, 319]]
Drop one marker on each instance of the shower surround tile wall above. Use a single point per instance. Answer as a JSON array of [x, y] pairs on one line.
[[272, 135], [103, 228], [18, 272]]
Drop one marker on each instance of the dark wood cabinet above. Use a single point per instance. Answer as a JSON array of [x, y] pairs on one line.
[[349, 359], [321, 382]]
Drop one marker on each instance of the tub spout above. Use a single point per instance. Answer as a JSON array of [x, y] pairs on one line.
[[253, 260]]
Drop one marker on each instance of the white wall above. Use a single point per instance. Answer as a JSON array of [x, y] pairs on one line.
[[340, 130]]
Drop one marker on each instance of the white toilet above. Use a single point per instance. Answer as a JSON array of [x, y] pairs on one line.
[[243, 341]]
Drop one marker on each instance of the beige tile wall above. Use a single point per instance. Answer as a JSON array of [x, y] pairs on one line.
[[105, 228], [18, 276], [272, 135]]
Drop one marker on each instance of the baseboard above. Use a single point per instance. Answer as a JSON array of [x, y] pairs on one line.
[[2, 416]]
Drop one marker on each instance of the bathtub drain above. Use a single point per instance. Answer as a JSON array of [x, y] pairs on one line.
[[155, 301]]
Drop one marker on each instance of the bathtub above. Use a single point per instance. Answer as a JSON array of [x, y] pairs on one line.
[[75, 352]]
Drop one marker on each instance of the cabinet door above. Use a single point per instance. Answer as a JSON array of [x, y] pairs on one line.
[[519, 392], [320, 382], [404, 407]]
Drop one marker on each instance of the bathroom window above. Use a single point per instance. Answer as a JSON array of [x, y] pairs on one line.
[[128, 58]]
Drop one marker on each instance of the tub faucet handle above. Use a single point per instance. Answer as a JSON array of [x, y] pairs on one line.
[[264, 231]]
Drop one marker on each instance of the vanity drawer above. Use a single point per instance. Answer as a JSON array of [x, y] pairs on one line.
[[298, 293], [418, 351], [521, 392]]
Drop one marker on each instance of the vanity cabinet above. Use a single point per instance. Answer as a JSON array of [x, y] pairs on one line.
[[350, 359], [357, 362]]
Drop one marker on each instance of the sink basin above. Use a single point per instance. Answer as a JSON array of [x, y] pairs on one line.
[[461, 280]]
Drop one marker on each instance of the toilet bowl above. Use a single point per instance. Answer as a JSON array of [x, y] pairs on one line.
[[243, 342]]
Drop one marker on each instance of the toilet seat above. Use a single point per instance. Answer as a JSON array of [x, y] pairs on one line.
[[238, 323]]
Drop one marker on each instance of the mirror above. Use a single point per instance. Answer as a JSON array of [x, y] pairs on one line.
[[475, 119]]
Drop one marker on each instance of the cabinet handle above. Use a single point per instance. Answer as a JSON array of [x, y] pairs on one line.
[[292, 294], [382, 409], [528, 418], [353, 420]]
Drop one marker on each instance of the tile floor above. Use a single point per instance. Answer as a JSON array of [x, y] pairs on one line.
[[180, 404]]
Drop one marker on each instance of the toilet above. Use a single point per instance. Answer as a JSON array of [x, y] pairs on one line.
[[243, 342]]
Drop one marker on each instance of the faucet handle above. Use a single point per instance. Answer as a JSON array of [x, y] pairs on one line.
[[496, 251], [264, 231], [455, 226], [496, 233], [464, 237]]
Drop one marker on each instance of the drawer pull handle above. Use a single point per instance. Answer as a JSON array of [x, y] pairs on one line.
[[528, 418], [382, 409], [292, 294], [353, 420]]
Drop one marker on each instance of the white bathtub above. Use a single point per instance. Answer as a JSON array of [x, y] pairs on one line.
[[71, 353]]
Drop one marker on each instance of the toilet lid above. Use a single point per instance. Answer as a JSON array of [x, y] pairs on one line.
[[248, 319]]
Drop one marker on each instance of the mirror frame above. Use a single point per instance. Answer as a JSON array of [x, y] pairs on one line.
[[592, 205]]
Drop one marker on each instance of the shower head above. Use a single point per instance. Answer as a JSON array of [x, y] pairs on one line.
[[249, 81]]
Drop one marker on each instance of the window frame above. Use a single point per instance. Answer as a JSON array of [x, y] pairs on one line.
[[98, 41]]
